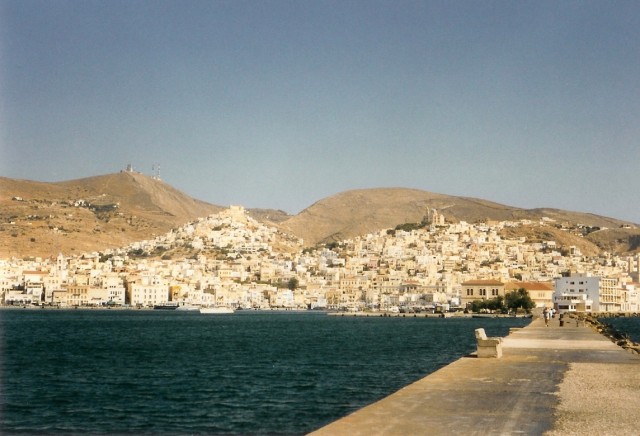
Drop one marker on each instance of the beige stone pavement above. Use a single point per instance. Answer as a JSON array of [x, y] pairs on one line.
[[552, 380]]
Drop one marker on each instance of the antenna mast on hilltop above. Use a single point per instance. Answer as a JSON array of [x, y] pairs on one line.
[[156, 171]]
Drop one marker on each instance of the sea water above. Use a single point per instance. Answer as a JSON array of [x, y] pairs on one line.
[[154, 372]]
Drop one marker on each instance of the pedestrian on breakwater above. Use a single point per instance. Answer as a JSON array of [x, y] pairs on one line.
[[546, 313]]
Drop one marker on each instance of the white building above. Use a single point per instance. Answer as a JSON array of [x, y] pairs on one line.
[[147, 291], [610, 295], [630, 298], [115, 290], [577, 293]]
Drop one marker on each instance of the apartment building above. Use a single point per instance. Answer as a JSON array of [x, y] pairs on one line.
[[610, 295], [577, 293], [147, 291], [631, 298]]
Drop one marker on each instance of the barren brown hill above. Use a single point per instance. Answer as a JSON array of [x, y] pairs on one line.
[[564, 239], [359, 212], [619, 240], [95, 213]]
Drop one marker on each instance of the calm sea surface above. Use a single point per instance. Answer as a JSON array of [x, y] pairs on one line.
[[134, 372]]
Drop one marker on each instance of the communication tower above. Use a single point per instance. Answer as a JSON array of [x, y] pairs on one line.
[[155, 169]]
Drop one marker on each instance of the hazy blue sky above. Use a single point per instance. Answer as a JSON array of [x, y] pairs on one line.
[[281, 103]]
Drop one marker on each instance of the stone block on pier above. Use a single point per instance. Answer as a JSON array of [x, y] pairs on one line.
[[488, 347]]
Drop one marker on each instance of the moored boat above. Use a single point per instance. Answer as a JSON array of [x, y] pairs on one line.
[[189, 308], [216, 310], [169, 305]]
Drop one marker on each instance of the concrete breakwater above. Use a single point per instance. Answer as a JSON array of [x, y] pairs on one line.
[[551, 380]]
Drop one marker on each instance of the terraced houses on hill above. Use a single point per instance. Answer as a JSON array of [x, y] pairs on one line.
[[239, 262]]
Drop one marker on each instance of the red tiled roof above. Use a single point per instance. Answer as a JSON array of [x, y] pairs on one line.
[[531, 286], [482, 282]]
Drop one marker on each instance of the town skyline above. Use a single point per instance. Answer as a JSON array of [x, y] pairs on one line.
[[421, 267]]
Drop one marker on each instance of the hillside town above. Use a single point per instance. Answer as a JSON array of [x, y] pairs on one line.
[[235, 261]]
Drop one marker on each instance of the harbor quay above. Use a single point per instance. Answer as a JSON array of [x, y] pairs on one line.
[[560, 379]]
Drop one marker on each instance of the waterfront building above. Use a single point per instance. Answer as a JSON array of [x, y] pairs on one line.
[[77, 295], [631, 298], [17, 296], [98, 296], [60, 298], [32, 277], [481, 290], [147, 291], [53, 282], [114, 290], [609, 295], [577, 293], [5, 286]]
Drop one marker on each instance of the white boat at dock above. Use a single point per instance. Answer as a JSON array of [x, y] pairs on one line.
[[187, 307], [216, 310]]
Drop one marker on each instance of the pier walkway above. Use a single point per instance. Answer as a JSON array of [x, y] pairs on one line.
[[552, 380]]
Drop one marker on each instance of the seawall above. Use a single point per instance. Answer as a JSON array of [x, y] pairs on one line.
[[550, 380]]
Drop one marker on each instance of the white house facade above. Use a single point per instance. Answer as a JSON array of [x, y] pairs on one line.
[[577, 293]]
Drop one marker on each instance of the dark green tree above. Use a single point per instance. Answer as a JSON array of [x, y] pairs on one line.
[[519, 299], [293, 283], [496, 304], [477, 305]]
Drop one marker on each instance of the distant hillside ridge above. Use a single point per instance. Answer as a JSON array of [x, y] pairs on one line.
[[90, 214], [114, 210], [359, 212], [144, 193]]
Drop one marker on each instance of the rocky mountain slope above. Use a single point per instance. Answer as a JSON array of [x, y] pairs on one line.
[[43, 219], [362, 211], [95, 213]]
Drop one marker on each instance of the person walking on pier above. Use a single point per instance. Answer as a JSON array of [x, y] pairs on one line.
[[546, 313]]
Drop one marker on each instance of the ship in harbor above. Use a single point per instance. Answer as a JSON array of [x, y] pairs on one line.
[[169, 305]]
